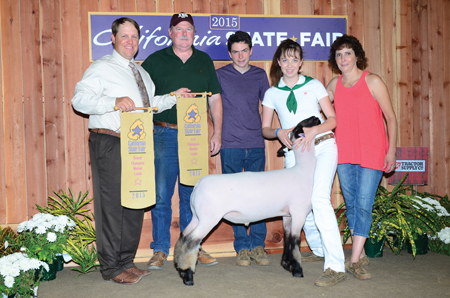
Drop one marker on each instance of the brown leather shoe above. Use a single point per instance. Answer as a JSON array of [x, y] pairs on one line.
[[138, 272], [157, 261], [205, 259], [126, 278]]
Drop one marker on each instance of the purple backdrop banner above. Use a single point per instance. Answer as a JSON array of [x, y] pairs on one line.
[[315, 34]]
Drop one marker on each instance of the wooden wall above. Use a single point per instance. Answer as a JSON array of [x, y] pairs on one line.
[[44, 52]]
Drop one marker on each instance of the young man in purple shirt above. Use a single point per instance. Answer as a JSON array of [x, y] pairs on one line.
[[243, 86]]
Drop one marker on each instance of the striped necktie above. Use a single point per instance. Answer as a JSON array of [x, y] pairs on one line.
[[140, 83]]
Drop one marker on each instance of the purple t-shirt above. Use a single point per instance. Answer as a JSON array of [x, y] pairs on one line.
[[241, 94]]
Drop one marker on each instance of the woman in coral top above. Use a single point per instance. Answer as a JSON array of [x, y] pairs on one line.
[[364, 151]]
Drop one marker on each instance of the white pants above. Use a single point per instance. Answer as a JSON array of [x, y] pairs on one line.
[[321, 229]]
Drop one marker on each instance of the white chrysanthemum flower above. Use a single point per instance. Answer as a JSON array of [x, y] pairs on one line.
[[6, 244], [29, 225], [46, 224], [14, 257], [9, 281], [35, 263], [37, 217], [23, 264], [45, 265], [47, 216], [21, 226], [11, 270], [3, 267], [444, 235], [23, 249], [41, 230], [71, 223], [62, 219], [51, 237]]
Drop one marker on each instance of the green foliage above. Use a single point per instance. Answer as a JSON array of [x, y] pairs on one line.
[[83, 254], [7, 235], [341, 218], [80, 244], [66, 205], [438, 246]]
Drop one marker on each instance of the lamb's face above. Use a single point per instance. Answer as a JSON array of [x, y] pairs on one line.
[[298, 132]]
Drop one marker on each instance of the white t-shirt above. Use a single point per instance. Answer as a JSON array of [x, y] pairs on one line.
[[307, 97]]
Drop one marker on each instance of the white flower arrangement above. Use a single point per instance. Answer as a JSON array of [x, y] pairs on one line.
[[17, 274], [434, 206], [444, 235], [41, 222], [45, 235]]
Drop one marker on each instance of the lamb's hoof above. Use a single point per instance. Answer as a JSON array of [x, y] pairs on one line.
[[286, 266], [187, 276], [297, 271]]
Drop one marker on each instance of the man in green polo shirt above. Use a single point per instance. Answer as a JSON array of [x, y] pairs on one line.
[[186, 67]]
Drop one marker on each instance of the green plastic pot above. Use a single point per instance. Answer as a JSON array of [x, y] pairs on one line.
[[374, 250], [47, 275], [60, 261], [421, 245]]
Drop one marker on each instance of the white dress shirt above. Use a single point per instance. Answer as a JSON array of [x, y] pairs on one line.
[[108, 78]]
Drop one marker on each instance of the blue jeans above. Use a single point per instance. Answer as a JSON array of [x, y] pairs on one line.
[[253, 160], [359, 186], [166, 173]]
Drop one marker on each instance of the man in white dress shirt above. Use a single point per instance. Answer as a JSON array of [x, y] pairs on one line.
[[107, 83]]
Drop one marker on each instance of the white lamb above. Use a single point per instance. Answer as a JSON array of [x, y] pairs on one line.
[[247, 197]]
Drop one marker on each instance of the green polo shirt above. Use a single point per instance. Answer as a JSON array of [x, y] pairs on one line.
[[169, 74]]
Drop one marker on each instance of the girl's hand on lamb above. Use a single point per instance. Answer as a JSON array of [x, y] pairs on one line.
[[310, 135], [283, 136]]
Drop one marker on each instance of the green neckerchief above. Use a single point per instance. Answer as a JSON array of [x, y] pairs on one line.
[[291, 102]]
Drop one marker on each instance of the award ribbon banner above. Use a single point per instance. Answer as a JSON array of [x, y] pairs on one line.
[[138, 160], [192, 138]]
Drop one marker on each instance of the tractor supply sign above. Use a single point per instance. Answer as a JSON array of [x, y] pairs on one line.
[[410, 166], [413, 160], [315, 34]]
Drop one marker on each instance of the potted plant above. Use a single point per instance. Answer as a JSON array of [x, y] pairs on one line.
[[398, 214], [422, 227], [80, 244], [17, 275], [43, 237]]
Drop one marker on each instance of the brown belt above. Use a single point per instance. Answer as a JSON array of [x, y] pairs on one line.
[[165, 124], [106, 131], [323, 138]]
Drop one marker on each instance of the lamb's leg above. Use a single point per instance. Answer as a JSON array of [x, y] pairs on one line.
[[185, 257], [186, 252], [285, 259], [187, 247], [296, 258]]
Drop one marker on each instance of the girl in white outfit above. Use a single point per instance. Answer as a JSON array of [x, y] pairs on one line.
[[296, 97]]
